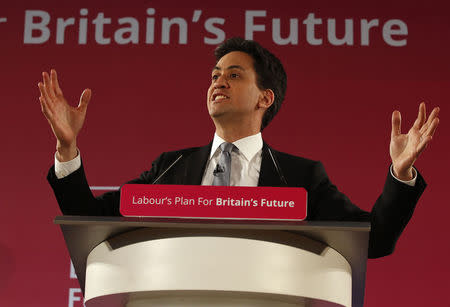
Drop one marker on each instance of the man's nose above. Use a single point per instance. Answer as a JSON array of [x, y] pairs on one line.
[[221, 82]]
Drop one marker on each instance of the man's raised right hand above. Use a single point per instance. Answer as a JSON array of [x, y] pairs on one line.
[[66, 121]]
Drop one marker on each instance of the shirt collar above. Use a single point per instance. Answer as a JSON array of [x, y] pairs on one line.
[[248, 146]]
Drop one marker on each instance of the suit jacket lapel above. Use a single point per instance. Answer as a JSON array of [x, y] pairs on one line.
[[196, 161], [268, 175], [195, 165]]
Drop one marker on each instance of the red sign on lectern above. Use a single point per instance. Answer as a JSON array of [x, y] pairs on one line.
[[213, 202]]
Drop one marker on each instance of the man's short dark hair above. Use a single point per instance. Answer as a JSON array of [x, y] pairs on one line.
[[269, 70]]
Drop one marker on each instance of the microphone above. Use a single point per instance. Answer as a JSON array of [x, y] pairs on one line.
[[218, 170], [277, 167], [170, 166]]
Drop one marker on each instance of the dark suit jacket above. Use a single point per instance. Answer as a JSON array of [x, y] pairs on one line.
[[389, 216]]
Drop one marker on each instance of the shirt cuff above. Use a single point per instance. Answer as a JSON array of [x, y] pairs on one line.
[[64, 169], [411, 182]]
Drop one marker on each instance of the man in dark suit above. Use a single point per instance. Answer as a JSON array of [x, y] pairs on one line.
[[247, 88]]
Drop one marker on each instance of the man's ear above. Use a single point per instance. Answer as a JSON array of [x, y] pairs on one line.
[[266, 99]]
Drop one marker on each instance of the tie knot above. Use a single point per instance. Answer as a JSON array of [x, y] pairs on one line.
[[227, 147]]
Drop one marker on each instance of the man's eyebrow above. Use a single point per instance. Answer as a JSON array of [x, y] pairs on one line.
[[229, 67]]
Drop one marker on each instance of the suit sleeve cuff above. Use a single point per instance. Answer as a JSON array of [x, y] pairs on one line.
[[64, 169], [411, 182]]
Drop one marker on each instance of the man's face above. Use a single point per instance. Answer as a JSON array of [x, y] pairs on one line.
[[233, 94]]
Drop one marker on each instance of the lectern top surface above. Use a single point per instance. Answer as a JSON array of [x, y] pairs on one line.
[[221, 224]]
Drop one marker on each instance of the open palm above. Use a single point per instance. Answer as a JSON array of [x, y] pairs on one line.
[[66, 121], [406, 148]]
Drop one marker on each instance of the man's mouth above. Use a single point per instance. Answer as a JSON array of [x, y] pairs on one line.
[[217, 97]]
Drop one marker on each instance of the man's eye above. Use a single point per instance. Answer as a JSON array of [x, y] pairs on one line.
[[215, 77], [234, 75]]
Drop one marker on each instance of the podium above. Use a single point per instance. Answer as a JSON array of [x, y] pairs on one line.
[[137, 262]]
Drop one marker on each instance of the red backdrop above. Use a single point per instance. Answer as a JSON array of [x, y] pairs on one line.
[[150, 97]]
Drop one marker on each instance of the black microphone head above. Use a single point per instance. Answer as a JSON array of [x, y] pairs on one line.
[[219, 169]]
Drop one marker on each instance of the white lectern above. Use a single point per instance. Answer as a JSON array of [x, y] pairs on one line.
[[138, 262]]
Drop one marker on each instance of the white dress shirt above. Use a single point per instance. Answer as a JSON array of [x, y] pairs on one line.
[[245, 163]]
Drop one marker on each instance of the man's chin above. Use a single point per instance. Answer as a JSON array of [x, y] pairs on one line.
[[220, 117], [217, 113]]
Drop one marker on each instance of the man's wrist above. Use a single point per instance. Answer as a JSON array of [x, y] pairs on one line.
[[65, 168], [404, 175], [66, 153], [411, 182]]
